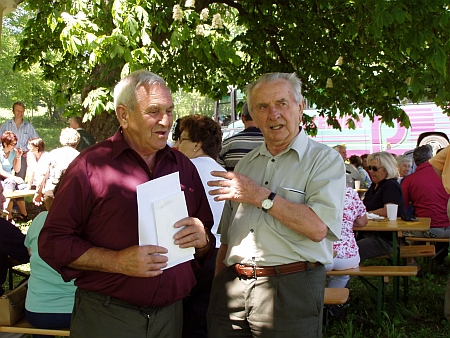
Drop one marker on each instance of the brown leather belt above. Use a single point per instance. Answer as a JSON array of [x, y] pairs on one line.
[[249, 271]]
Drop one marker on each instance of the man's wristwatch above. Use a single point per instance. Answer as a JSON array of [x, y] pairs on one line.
[[267, 204]]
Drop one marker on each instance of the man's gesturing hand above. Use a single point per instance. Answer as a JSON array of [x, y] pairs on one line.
[[237, 187]]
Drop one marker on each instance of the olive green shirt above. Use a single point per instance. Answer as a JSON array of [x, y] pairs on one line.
[[254, 237]]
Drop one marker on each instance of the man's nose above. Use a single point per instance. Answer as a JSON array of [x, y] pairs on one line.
[[274, 112]]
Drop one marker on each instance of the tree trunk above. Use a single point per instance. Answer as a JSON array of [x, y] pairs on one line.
[[102, 126]]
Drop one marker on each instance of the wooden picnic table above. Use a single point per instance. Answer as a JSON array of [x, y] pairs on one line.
[[18, 193], [397, 227]]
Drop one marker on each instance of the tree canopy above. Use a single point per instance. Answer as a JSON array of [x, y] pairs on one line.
[[352, 56]]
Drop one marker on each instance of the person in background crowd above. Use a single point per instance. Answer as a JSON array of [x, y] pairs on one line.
[[404, 164], [11, 246], [282, 200], [23, 130], [200, 140], [49, 301], [11, 160], [346, 249], [57, 161], [352, 173], [176, 134], [364, 162], [86, 139], [36, 156], [384, 190], [91, 232], [356, 161], [424, 191], [237, 146], [441, 165]]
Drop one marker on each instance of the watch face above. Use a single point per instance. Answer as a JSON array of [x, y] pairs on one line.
[[267, 204]]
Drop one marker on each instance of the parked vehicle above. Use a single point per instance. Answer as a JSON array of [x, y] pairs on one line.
[[429, 125]]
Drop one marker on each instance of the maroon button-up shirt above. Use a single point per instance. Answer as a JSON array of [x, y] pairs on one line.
[[96, 206]]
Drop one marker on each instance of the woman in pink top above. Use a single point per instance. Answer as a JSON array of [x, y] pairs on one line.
[[346, 253]]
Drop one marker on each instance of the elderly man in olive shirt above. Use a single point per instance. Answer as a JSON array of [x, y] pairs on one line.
[[283, 211], [91, 232]]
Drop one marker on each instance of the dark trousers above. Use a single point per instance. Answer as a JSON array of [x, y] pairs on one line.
[[100, 316], [195, 306], [11, 245], [48, 321], [282, 306]]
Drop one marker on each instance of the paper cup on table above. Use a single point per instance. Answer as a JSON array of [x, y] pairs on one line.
[[357, 185], [391, 211]]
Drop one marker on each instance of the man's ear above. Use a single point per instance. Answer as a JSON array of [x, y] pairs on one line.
[[122, 116], [302, 106]]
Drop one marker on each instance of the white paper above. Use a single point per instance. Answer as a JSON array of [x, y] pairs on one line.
[[150, 192], [154, 211], [167, 212]]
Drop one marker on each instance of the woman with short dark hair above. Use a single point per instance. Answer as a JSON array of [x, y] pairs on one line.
[[11, 160], [201, 141]]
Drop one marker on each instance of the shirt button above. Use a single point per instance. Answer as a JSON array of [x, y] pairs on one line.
[[251, 230], [273, 160], [266, 183]]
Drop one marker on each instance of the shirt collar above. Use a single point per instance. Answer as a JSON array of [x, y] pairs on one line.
[[299, 144]]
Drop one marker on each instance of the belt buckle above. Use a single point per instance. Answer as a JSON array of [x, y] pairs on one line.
[[254, 271]]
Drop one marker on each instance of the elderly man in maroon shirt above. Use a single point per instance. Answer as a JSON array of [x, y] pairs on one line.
[[91, 232]]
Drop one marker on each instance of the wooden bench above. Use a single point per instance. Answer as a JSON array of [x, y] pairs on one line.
[[22, 326], [413, 251], [427, 240], [336, 296], [382, 273]]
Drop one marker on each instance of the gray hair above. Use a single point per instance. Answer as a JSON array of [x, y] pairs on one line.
[[404, 158], [69, 137], [125, 90], [387, 161], [295, 82], [422, 154], [245, 113]]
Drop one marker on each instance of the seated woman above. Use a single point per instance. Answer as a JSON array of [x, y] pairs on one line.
[[404, 164], [346, 250], [11, 159], [384, 190], [50, 299], [201, 141], [35, 158], [56, 161]]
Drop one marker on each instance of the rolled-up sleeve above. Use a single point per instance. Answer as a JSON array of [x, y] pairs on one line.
[[59, 241]]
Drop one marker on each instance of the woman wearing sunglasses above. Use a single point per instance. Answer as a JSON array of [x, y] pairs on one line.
[[384, 189]]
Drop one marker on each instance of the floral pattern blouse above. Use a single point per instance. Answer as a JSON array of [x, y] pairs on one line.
[[354, 208]]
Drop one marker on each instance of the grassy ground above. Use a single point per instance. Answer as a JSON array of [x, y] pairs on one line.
[[47, 130], [419, 317]]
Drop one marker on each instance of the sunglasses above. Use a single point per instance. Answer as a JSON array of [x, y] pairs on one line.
[[373, 168]]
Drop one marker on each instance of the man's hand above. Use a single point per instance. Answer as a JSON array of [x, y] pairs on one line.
[[142, 261], [237, 187], [193, 235], [135, 261]]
